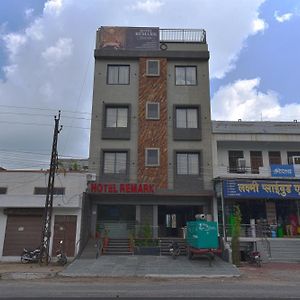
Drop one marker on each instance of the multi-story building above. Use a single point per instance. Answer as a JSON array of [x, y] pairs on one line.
[[257, 166], [22, 202], [150, 144]]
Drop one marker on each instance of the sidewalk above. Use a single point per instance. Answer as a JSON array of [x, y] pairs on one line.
[[17, 270], [149, 266]]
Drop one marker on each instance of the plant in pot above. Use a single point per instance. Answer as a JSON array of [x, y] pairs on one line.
[[105, 239], [98, 232]]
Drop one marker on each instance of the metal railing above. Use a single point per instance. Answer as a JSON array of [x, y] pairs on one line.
[[183, 35]]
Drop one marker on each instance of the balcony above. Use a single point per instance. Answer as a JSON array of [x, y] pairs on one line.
[[246, 172], [183, 35]]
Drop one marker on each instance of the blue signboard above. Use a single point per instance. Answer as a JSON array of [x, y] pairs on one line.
[[261, 189], [282, 171]]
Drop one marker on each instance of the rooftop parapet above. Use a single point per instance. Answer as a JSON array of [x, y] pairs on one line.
[[182, 35]]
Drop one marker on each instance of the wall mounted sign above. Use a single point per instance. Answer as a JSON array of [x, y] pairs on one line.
[[282, 171], [129, 38], [122, 188], [261, 189]]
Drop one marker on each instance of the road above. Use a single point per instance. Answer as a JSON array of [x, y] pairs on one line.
[[140, 288]]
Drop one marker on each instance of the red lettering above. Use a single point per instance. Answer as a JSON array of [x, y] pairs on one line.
[[122, 188], [133, 188], [93, 187], [151, 188], [146, 188], [100, 188], [127, 186], [140, 188], [115, 189], [110, 188], [105, 188]]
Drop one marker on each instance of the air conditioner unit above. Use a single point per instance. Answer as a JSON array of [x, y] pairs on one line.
[[241, 165], [296, 160], [90, 177]]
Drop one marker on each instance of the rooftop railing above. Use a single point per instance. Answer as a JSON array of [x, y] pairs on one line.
[[183, 35]]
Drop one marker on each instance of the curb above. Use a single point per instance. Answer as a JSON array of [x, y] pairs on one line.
[[27, 276]]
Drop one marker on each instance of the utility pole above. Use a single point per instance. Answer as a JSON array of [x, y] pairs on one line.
[[46, 231]]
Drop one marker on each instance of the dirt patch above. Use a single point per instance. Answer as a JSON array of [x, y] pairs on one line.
[[13, 267]]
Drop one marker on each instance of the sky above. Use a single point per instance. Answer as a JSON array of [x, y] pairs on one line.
[[47, 63]]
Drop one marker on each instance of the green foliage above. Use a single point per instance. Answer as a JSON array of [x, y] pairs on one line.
[[236, 232]]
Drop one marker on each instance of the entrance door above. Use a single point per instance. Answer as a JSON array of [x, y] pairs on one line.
[[65, 230]]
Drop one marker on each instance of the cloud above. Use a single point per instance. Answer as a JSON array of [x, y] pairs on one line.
[[149, 6], [29, 13], [50, 62], [259, 25], [282, 18], [59, 52], [243, 100]]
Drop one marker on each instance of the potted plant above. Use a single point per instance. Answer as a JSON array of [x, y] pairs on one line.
[[147, 245], [98, 232], [105, 239], [131, 241]]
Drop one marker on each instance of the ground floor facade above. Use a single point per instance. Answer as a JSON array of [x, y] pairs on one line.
[[164, 215]]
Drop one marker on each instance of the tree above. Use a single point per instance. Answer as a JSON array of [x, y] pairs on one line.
[[235, 240]]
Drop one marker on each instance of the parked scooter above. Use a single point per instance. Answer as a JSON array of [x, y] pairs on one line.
[[253, 256], [32, 256], [60, 255], [174, 249]]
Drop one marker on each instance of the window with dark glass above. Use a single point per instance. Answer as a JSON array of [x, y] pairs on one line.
[[187, 163], [152, 110], [186, 118], [293, 157], [152, 157], [235, 161], [3, 190], [43, 191], [256, 160], [115, 162], [152, 68], [274, 158], [118, 74], [185, 75], [116, 117]]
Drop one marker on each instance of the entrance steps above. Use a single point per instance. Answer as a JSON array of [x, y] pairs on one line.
[[165, 245], [117, 247], [285, 249]]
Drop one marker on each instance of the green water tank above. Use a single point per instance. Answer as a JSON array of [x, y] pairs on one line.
[[202, 234]]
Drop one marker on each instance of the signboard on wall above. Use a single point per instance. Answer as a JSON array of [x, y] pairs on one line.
[[129, 38], [122, 188], [261, 189], [282, 171]]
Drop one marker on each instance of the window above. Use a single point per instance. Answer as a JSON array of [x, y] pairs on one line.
[[234, 161], [3, 190], [118, 74], [152, 157], [256, 161], [186, 118], [187, 163], [185, 75], [274, 158], [116, 117], [43, 191], [115, 163], [152, 110], [293, 157], [152, 68]]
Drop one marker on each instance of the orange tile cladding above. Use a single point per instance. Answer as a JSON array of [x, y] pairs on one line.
[[153, 133]]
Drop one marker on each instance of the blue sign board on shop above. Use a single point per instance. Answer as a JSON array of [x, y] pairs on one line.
[[282, 171], [261, 189]]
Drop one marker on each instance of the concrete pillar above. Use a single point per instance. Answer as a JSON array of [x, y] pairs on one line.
[[94, 219]]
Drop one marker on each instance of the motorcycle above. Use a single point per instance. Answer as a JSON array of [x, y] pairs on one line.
[[33, 256], [61, 256], [253, 256], [174, 249]]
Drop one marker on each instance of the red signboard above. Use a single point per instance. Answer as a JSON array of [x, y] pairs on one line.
[[122, 188]]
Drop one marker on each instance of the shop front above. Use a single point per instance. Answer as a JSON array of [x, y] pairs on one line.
[[271, 205]]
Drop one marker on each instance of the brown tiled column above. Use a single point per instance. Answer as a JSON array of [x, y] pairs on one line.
[[153, 133]]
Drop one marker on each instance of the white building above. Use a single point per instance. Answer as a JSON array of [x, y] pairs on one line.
[[22, 201], [256, 165]]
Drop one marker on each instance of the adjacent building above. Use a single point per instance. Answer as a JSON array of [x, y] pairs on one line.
[[22, 202], [150, 143]]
